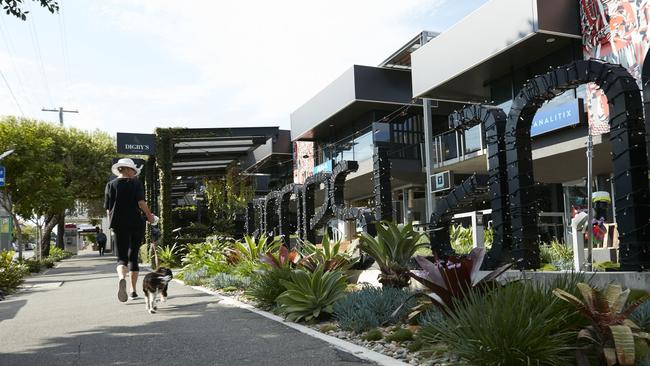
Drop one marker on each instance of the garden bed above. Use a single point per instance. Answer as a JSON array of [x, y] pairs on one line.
[[445, 313]]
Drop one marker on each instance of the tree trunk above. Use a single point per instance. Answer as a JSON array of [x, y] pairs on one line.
[[18, 235], [60, 230], [50, 223]]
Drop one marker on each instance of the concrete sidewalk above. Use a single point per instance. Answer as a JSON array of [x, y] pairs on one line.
[[71, 316]]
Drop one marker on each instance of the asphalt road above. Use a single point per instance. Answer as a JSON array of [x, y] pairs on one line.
[[71, 316]]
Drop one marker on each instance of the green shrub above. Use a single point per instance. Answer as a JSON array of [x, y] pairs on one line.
[[205, 256], [224, 280], [328, 255], [47, 262], [556, 254], [311, 295], [400, 335], [641, 316], [251, 249], [244, 268], [371, 307], [59, 254], [518, 324], [11, 273], [33, 265], [168, 256], [373, 335], [265, 287]]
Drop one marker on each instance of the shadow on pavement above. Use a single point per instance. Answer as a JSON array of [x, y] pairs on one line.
[[9, 308], [203, 333]]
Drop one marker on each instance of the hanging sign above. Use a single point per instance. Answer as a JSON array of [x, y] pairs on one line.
[[136, 143], [2, 176]]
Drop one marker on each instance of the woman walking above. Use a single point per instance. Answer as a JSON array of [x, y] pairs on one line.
[[125, 205]]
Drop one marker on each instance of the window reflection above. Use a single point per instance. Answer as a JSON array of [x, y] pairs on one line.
[[473, 139], [363, 147]]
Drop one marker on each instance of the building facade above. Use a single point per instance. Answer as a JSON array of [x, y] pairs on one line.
[[403, 112]]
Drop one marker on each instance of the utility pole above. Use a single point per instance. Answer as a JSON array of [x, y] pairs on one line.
[[590, 214], [61, 224], [61, 111]]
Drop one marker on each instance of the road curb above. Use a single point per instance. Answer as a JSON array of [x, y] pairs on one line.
[[343, 345]]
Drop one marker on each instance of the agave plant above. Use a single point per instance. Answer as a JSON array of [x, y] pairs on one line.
[[451, 280], [392, 249], [611, 332], [283, 258], [251, 249], [329, 255], [311, 295]]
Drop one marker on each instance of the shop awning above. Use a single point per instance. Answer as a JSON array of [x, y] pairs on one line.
[[359, 90], [499, 37]]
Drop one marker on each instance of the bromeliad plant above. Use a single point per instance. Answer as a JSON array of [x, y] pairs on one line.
[[611, 332], [451, 280], [329, 255], [282, 258], [392, 249], [311, 295]]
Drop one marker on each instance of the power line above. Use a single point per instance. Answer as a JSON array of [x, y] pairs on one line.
[[11, 51], [37, 49], [12, 93]]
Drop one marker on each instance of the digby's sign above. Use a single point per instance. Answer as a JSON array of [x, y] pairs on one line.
[[136, 143]]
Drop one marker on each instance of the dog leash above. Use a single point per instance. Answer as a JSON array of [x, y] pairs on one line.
[[155, 253]]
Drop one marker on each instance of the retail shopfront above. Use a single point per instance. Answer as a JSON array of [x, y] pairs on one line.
[[534, 37]]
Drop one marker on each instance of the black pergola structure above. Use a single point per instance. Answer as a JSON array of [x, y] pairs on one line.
[[185, 156]]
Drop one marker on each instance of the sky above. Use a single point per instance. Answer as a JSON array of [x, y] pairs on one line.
[[134, 65]]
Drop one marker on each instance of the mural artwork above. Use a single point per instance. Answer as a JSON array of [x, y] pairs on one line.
[[615, 31]]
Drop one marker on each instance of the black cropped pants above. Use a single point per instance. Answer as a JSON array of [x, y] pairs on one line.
[[127, 244]]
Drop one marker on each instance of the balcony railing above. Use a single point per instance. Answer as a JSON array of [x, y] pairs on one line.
[[454, 146]]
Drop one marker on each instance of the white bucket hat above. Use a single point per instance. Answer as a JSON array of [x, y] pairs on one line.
[[127, 163]]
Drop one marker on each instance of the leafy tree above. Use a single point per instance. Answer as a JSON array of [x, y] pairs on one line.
[[228, 196], [52, 170], [33, 184], [14, 7]]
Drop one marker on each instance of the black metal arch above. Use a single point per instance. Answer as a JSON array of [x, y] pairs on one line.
[[628, 154], [258, 217], [271, 220], [494, 121], [282, 211], [309, 221], [339, 175], [249, 224]]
